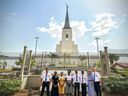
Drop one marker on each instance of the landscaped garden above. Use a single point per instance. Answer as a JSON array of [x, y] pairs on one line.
[[117, 85], [9, 87]]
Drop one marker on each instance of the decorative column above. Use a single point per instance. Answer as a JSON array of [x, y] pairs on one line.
[[24, 60], [30, 62], [106, 60], [102, 62]]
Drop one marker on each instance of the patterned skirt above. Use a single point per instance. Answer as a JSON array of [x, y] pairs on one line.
[[69, 89]]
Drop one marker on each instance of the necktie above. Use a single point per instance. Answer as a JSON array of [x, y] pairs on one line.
[[82, 78], [94, 76], [46, 78], [76, 78]]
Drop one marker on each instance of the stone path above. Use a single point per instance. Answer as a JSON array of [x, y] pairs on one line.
[[35, 93]]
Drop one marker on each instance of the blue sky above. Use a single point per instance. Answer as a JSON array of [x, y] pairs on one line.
[[23, 20]]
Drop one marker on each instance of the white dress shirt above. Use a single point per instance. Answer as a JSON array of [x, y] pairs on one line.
[[45, 77], [68, 77], [96, 76], [76, 78], [83, 78]]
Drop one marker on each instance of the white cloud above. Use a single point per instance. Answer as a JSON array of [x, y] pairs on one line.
[[103, 24], [79, 28], [55, 29], [101, 43]]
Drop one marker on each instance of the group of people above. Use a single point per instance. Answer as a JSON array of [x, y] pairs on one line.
[[70, 84]]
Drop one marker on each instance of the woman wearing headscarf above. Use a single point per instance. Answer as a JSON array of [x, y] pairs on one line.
[[91, 91]]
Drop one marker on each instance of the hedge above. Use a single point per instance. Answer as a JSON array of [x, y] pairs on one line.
[[9, 87], [117, 86]]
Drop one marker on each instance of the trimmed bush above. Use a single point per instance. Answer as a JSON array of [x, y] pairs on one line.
[[9, 87], [117, 86]]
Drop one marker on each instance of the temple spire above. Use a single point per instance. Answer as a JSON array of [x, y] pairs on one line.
[[67, 23]]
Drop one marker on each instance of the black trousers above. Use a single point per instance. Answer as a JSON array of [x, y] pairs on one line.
[[77, 89], [54, 91], [83, 87], [45, 84], [97, 88]]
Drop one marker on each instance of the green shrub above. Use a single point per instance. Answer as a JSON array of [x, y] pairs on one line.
[[9, 87], [117, 86]]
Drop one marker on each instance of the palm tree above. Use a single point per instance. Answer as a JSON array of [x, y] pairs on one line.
[[19, 62], [4, 64], [82, 58], [0, 64], [33, 62], [52, 56], [113, 58]]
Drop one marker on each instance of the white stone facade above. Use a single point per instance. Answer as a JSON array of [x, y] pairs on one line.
[[66, 44]]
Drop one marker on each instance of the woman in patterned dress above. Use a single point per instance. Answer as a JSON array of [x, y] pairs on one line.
[[69, 84], [61, 84]]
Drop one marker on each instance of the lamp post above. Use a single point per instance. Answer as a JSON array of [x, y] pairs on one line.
[[97, 43], [88, 59], [42, 58], [36, 45]]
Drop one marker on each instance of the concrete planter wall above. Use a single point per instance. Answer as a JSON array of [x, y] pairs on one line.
[[33, 82]]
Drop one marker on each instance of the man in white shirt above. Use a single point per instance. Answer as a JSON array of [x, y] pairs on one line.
[[83, 82], [46, 80], [76, 81], [97, 77]]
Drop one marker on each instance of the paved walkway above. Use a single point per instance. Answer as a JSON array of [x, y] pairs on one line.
[[35, 93]]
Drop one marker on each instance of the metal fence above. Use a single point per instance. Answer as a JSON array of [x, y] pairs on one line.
[[72, 59]]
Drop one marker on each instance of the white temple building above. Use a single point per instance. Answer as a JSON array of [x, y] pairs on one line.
[[67, 53], [67, 45]]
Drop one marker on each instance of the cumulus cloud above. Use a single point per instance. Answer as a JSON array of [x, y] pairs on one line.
[[55, 29], [101, 43], [103, 24], [79, 28]]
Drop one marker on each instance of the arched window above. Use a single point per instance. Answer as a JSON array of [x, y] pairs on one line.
[[66, 36]]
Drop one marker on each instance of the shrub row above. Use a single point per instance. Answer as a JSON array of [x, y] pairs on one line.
[[9, 87], [117, 86]]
